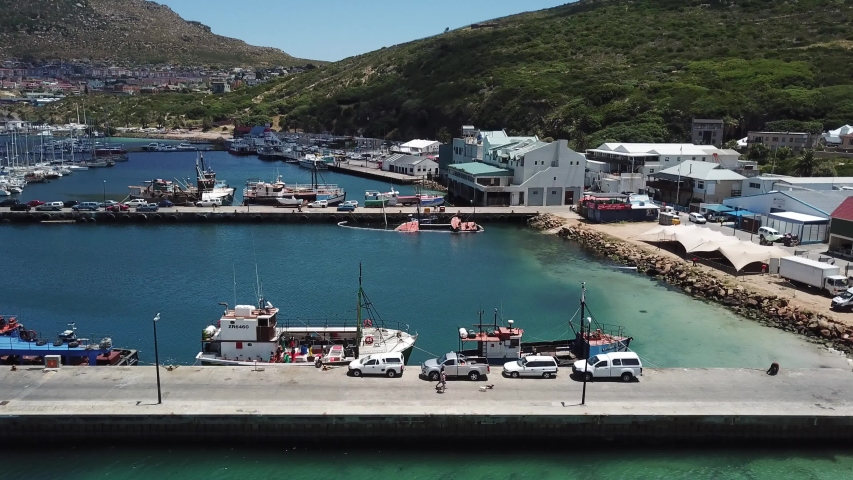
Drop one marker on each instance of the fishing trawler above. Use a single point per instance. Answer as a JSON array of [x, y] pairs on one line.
[[500, 344], [248, 335], [207, 187]]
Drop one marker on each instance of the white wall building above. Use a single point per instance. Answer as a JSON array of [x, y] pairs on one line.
[[768, 183], [820, 204], [418, 147]]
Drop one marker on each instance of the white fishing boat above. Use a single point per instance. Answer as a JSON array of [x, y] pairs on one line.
[[290, 201], [186, 147], [247, 335], [313, 162]]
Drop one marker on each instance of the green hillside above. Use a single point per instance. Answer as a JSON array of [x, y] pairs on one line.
[[595, 70], [588, 71]]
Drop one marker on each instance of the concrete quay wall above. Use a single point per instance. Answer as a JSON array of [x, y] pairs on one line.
[[293, 404], [420, 429], [263, 214]]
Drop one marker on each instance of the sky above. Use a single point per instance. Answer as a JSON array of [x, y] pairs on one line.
[[335, 29]]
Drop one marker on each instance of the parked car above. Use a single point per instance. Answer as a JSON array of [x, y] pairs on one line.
[[136, 202], [319, 204], [86, 206], [35, 203], [697, 218], [118, 207], [533, 366], [768, 234], [208, 203], [149, 207], [346, 208], [388, 364], [354, 203], [70, 203], [21, 207], [624, 365], [455, 365], [8, 202], [108, 203], [48, 207], [165, 204]]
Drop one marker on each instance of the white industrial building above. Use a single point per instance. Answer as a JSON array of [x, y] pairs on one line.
[[418, 147], [640, 161], [769, 183]]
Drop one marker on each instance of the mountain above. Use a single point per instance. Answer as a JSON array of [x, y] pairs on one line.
[[592, 71], [121, 32]]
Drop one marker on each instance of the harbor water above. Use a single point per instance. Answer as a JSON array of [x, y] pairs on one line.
[[472, 464]]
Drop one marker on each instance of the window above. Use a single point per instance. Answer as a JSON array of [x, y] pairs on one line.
[[703, 159], [630, 361], [775, 139], [601, 364], [651, 170], [617, 362], [694, 158], [450, 363], [754, 185], [665, 159], [700, 185], [553, 192], [555, 179]]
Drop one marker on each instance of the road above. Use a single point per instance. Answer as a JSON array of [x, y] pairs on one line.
[[306, 390]]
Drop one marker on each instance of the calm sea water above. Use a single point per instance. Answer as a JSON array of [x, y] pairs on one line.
[[247, 464], [112, 279]]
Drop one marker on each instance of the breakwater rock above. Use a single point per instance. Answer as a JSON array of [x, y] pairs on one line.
[[433, 185], [546, 221], [769, 310]]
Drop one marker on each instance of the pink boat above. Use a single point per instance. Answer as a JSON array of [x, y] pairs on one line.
[[456, 225]]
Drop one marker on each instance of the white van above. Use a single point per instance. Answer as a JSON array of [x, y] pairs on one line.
[[532, 366], [625, 365], [389, 364]]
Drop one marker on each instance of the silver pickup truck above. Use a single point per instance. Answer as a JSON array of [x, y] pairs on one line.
[[455, 366]]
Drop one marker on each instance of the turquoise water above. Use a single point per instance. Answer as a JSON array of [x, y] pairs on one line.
[[246, 464], [114, 278]]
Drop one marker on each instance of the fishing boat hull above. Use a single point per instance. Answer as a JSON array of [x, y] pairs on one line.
[[289, 201]]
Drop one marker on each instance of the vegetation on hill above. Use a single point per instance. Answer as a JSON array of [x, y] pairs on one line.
[[120, 31], [589, 71]]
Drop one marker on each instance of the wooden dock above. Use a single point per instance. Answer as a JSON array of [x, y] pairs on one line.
[[373, 173], [270, 214]]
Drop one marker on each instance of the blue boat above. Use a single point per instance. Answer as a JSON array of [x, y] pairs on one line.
[[20, 346]]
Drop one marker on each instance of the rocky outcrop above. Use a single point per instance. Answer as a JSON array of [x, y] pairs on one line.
[[546, 221], [770, 310]]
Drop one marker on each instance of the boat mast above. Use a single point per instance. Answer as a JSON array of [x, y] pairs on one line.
[[358, 310]]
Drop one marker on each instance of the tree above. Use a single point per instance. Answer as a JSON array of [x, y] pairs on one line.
[[757, 151], [806, 164], [825, 169], [443, 135], [731, 144]]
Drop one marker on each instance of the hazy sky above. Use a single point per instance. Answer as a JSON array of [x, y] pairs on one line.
[[336, 29]]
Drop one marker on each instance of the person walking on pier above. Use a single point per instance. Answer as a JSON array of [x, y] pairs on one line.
[[442, 379]]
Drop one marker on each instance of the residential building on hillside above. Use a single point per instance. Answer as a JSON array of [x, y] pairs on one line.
[[767, 183], [220, 87], [840, 137], [528, 172], [709, 182], [629, 166], [796, 141], [705, 131]]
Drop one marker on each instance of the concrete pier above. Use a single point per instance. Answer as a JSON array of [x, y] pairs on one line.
[[272, 214], [304, 404], [374, 173]]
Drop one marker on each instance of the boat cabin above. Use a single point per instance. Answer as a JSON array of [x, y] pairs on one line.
[[245, 333], [497, 345]]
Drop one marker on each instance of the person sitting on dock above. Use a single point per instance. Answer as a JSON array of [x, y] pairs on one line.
[[774, 369]]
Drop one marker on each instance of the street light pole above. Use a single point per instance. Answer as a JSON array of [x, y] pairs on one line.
[[105, 194], [157, 359], [586, 350]]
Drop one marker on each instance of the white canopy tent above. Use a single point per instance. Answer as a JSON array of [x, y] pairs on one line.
[[695, 239]]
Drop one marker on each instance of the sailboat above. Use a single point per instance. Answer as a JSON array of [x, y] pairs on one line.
[[247, 335]]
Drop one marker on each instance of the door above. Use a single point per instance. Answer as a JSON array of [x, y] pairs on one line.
[[521, 198], [602, 369], [554, 196], [450, 368], [570, 197], [372, 367], [535, 197]]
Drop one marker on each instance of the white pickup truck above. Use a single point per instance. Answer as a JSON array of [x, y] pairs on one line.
[[455, 365]]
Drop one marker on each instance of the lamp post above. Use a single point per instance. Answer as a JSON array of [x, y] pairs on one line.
[[586, 350], [157, 359], [105, 194]]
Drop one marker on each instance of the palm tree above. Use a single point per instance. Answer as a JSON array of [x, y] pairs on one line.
[[806, 164]]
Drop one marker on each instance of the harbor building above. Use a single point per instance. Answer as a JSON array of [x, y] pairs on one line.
[[628, 167], [418, 166], [695, 179], [841, 138], [705, 131], [520, 171], [796, 141], [841, 229], [768, 183], [417, 147]]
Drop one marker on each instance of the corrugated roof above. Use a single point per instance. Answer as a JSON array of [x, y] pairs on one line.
[[825, 200], [700, 171], [479, 168], [844, 211]]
